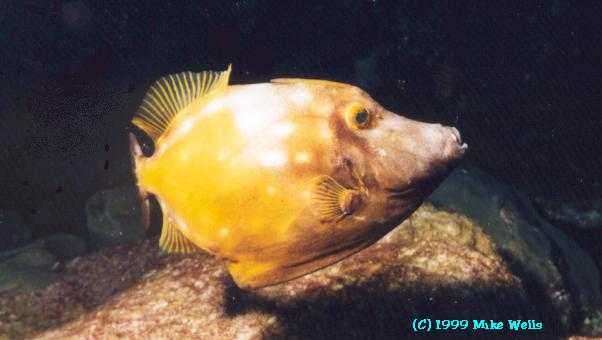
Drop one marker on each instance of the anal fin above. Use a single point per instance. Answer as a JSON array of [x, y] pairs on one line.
[[172, 240]]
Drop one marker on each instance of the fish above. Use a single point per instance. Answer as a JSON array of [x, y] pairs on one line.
[[282, 178]]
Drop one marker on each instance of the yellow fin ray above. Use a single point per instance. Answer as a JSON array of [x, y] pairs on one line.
[[173, 93], [172, 240], [332, 201]]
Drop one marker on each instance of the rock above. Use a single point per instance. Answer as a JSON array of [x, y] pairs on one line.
[[85, 283], [114, 217], [437, 264], [26, 269], [558, 271], [33, 256], [593, 323], [13, 232], [586, 214], [35, 266], [65, 246], [14, 281], [503, 263]]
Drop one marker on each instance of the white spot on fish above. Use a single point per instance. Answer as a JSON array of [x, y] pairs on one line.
[[271, 190], [382, 152], [282, 129], [214, 106], [223, 232], [186, 126], [325, 132], [302, 157], [301, 96], [255, 107], [306, 194], [273, 158]]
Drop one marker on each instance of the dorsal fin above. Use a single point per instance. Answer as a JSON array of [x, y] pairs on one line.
[[171, 94], [308, 81]]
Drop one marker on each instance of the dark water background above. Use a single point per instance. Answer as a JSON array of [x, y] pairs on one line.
[[521, 82]]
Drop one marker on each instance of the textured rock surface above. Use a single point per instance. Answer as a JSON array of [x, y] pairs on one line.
[[585, 214], [65, 246], [35, 266], [26, 269], [436, 264], [85, 283], [114, 217], [550, 263]]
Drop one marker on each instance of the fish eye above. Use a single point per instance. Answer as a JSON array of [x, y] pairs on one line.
[[357, 116], [361, 117]]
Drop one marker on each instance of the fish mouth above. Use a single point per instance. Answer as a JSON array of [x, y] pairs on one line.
[[456, 135], [455, 148]]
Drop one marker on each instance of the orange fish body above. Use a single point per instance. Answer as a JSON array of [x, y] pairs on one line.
[[278, 179]]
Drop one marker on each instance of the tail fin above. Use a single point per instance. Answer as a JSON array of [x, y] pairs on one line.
[[137, 156]]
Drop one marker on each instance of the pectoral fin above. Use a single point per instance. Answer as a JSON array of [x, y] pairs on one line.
[[332, 201]]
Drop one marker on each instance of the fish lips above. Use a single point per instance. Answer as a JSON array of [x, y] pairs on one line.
[[454, 148], [451, 153]]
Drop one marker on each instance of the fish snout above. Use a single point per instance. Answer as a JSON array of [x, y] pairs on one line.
[[453, 147], [446, 150], [415, 155]]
